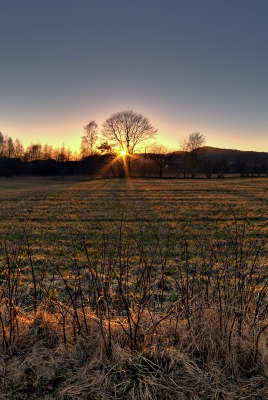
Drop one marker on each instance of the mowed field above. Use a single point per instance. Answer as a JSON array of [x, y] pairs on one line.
[[54, 212]]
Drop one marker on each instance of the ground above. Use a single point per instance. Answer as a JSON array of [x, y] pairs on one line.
[[133, 289], [51, 209]]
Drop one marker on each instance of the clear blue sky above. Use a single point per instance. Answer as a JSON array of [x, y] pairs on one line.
[[188, 65]]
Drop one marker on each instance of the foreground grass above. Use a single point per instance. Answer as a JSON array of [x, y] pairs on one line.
[[150, 291], [130, 321]]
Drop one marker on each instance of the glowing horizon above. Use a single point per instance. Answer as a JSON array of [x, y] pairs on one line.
[[71, 138]]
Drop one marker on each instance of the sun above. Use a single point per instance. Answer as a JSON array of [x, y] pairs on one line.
[[123, 153]]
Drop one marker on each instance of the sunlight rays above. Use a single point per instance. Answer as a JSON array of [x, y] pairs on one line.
[[122, 161]]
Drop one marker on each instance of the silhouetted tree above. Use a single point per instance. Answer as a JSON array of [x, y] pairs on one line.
[[88, 141], [160, 156], [209, 167], [10, 147], [33, 152], [47, 152], [185, 156], [192, 148], [62, 154], [221, 167], [111, 159], [127, 131], [6, 146], [2, 145], [18, 149]]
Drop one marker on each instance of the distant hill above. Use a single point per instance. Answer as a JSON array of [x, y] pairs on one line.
[[224, 161], [230, 154], [217, 150], [233, 155]]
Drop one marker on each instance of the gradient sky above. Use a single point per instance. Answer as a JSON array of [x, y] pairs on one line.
[[188, 65]]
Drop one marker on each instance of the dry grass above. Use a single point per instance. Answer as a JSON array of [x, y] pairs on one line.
[[54, 209], [83, 371], [149, 293]]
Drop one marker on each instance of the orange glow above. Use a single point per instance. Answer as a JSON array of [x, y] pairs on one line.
[[123, 153], [122, 157]]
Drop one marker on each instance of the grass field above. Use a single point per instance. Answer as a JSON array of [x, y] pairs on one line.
[[134, 289], [52, 210]]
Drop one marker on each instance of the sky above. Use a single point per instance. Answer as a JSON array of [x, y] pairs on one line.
[[187, 65]]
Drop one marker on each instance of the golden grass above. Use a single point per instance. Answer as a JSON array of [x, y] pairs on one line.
[[131, 289], [47, 369], [55, 211]]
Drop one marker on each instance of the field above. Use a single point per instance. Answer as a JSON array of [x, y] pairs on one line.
[[134, 289], [54, 210]]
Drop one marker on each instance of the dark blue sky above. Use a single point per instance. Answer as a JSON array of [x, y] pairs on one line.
[[192, 65]]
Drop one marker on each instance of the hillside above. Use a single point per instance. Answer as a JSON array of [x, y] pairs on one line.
[[232, 153]]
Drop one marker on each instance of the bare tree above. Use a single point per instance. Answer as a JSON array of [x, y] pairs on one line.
[[112, 161], [160, 156], [47, 152], [10, 147], [18, 148], [89, 139], [6, 146], [126, 132], [61, 154], [33, 152], [185, 155], [192, 148], [2, 144]]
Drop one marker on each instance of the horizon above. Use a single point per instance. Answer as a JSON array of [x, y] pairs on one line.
[[188, 67], [77, 151]]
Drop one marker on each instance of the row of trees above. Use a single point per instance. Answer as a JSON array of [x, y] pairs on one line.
[[10, 148], [125, 145], [131, 134], [126, 134]]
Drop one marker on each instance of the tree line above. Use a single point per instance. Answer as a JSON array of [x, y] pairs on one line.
[[125, 146]]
